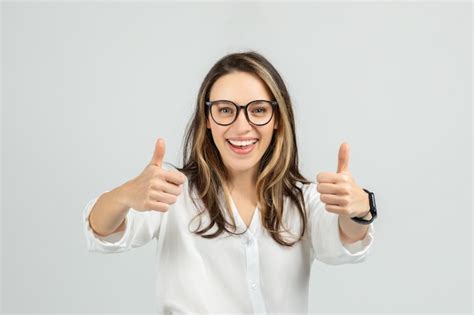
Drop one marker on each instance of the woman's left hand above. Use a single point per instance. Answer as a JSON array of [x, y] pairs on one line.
[[340, 192]]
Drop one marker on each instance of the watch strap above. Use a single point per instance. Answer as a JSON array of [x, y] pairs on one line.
[[372, 210]]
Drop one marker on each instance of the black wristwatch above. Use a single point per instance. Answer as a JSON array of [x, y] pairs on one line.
[[372, 210]]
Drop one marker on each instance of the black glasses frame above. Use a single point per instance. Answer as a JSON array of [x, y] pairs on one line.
[[244, 107]]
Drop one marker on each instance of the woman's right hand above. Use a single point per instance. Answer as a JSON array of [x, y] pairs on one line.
[[155, 188]]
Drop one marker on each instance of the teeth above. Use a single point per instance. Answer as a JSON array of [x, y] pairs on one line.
[[242, 143]]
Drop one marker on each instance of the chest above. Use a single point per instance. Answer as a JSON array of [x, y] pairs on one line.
[[246, 210]]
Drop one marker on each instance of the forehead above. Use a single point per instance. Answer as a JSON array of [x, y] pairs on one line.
[[240, 87]]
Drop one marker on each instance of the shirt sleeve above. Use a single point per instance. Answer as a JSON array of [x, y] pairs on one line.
[[324, 233], [140, 228]]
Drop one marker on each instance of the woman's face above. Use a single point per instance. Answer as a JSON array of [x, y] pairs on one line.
[[240, 88]]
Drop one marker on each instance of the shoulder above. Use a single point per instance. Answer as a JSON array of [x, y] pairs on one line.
[[310, 193]]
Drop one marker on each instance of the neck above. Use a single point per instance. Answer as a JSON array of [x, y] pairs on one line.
[[244, 182]]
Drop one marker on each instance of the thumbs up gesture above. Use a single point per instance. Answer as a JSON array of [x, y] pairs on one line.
[[155, 188], [340, 192]]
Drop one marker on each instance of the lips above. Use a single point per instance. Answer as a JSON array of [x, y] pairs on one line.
[[248, 146]]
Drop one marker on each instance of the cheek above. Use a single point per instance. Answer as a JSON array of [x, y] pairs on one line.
[[217, 135], [267, 135]]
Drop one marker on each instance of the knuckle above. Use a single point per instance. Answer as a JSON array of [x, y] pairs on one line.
[[153, 184], [159, 185], [158, 196], [147, 204], [345, 189], [160, 173], [151, 188]]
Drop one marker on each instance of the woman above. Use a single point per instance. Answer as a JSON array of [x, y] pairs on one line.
[[237, 226]]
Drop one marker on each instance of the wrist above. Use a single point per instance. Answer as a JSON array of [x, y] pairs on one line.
[[370, 213], [365, 215], [122, 193]]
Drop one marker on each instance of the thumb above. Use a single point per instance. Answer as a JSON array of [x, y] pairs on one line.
[[343, 159], [159, 153]]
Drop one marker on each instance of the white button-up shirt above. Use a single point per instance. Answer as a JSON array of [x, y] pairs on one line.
[[250, 273]]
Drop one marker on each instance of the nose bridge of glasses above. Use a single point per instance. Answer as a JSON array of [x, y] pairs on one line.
[[241, 111]]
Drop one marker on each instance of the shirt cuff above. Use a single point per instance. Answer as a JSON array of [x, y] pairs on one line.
[[337, 252], [362, 246]]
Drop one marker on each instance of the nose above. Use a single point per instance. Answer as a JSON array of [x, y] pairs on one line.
[[241, 122]]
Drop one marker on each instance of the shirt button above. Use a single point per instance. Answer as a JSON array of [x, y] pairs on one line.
[[246, 240], [254, 286]]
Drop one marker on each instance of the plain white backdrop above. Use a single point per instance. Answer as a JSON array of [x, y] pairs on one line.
[[87, 88]]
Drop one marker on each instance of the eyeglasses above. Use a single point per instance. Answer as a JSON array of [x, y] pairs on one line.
[[258, 112]]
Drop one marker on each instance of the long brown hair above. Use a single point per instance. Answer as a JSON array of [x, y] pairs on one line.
[[278, 170]]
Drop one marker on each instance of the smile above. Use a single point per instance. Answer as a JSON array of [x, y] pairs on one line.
[[242, 147]]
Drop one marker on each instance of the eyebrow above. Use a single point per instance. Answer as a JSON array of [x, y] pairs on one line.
[[257, 99]]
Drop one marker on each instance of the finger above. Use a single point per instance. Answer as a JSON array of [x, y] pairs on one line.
[[157, 206], [335, 200], [330, 188], [335, 209], [171, 188], [328, 177], [175, 177], [343, 158], [159, 153], [162, 196]]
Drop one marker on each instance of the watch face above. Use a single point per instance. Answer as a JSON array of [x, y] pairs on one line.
[[373, 206]]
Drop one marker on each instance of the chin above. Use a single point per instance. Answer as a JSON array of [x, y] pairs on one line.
[[240, 166]]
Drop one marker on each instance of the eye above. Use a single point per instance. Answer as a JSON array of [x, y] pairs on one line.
[[225, 110]]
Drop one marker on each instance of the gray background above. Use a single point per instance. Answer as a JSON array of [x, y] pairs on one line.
[[88, 88]]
